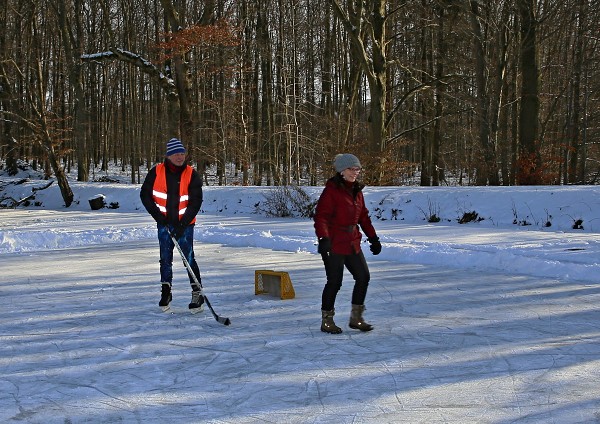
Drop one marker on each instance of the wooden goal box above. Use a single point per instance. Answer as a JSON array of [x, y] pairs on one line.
[[275, 283]]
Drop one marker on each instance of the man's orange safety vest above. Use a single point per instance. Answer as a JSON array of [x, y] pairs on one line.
[[159, 191]]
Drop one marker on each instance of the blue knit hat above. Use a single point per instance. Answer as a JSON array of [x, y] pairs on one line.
[[344, 161], [174, 146]]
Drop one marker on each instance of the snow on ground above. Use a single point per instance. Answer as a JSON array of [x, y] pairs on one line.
[[492, 321], [526, 230]]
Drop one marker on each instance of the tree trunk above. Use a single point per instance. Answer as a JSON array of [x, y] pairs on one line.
[[487, 171], [72, 36], [575, 170], [529, 163], [182, 80], [424, 107], [373, 62], [7, 102], [499, 114], [440, 88]]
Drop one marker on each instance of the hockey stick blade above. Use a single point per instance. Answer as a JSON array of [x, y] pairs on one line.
[[224, 321]]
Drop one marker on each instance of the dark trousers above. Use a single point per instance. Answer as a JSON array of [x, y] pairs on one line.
[[334, 269], [186, 242]]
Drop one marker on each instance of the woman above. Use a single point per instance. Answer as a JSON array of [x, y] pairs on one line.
[[340, 210]]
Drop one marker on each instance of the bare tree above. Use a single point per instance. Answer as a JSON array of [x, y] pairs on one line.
[[530, 162], [484, 91], [7, 95], [364, 21], [69, 14]]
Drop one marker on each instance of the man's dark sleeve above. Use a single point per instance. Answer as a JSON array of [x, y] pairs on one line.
[[195, 198], [146, 195]]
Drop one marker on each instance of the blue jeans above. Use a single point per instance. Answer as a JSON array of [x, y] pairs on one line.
[[186, 242]]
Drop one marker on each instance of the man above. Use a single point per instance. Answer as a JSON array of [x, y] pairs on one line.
[[172, 195]]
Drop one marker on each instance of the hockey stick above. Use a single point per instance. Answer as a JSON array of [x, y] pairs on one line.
[[198, 284]]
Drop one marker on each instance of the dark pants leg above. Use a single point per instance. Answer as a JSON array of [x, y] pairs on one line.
[[357, 265], [334, 269], [166, 254], [186, 242]]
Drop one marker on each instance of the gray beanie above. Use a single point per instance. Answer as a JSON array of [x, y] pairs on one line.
[[345, 160]]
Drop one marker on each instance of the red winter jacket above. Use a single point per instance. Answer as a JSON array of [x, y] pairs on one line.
[[340, 210]]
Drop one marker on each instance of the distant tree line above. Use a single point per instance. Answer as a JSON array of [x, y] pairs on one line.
[[488, 92]]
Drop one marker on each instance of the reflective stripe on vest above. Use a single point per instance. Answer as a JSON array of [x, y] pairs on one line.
[[159, 191]]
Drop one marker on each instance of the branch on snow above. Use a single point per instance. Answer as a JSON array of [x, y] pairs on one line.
[[9, 202]]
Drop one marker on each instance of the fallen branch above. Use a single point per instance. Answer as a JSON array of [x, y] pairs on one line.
[[14, 203]]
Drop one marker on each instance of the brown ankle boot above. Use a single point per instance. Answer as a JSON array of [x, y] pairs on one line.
[[356, 319], [327, 324]]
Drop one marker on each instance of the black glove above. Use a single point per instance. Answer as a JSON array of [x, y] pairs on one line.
[[375, 245], [160, 219], [178, 231], [324, 246]]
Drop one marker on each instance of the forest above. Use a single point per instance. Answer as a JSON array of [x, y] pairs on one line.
[[480, 92]]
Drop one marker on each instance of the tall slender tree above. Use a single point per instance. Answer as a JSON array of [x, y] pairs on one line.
[[530, 160]]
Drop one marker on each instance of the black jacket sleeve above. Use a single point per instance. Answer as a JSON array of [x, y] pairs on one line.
[[146, 195], [195, 198]]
